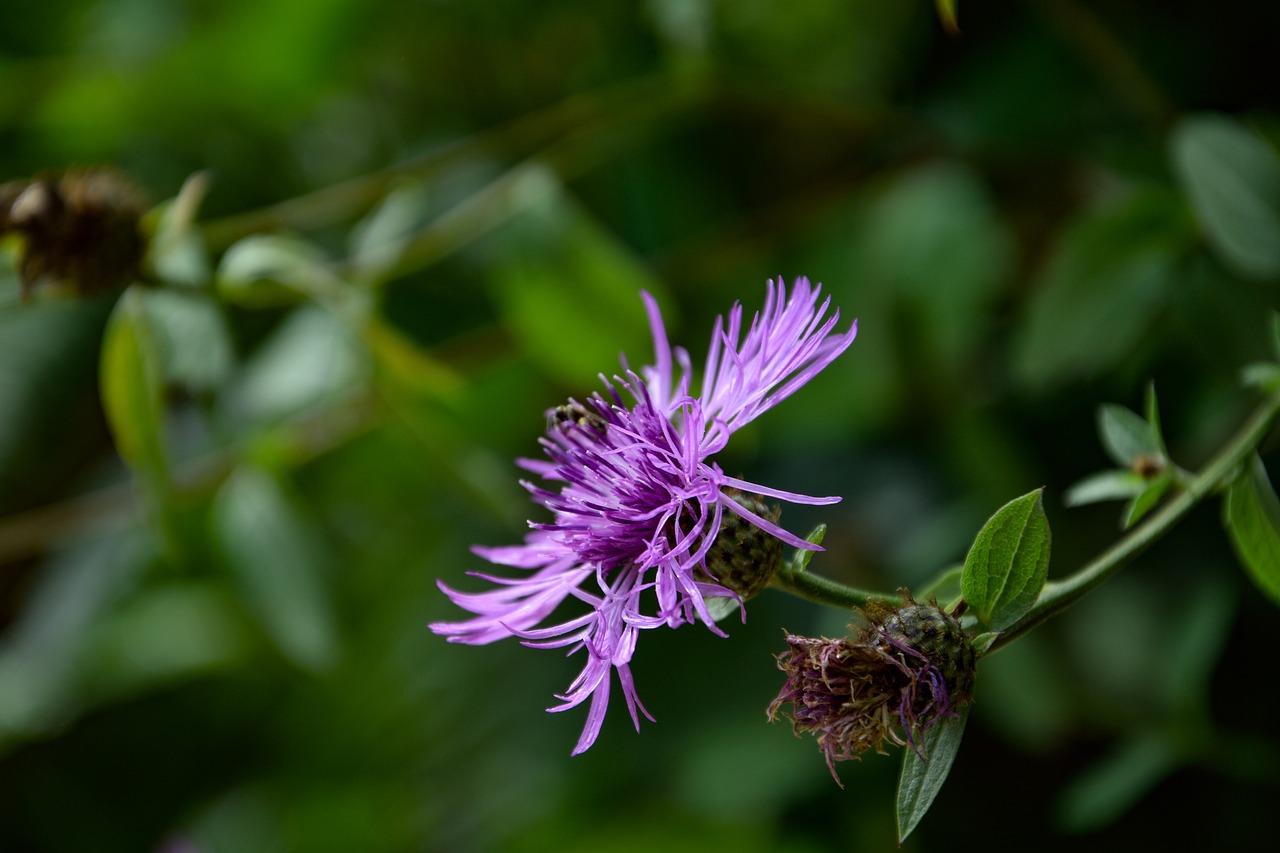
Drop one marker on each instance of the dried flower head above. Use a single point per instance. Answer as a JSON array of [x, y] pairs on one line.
[[79, 230], [637, 505], [905, 670]]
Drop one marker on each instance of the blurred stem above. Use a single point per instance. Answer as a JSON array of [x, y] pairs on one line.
[[1106, 56], [610, 109], [1059, 595], [817, 588]]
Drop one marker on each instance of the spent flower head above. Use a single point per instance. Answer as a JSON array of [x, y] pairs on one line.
[[905, 670], [641, 515]]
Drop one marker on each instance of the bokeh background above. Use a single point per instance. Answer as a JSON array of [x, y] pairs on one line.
[[426, 222]]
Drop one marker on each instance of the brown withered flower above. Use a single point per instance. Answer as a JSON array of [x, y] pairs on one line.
[[906, 669], [79, 230]]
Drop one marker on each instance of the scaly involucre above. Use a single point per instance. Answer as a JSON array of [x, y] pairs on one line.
[[636, 502]]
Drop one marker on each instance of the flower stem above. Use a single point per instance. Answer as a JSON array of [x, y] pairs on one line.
[[1059, 595], [823, 591]]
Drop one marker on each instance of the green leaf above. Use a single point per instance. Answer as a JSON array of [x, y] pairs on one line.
[[1146, 500], [984, 641], [1009, 561], [800, 561], [569, 289], [1106, 283], [1232, 178], [1264, 375], [1105, 486], [947, 15], [1151, 410], [1125, 435], [131, 382], [277, 560], [192, 338], [922, 778], [267, 270], [1253, 521]]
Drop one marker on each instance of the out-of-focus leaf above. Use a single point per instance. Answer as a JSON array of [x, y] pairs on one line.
[[191, 337], [176, 252], [266, 270], [132, 376], [311, 357], [1107, 278], [378, 241], [1105, 486], [167, 633], [1009, 561], [1252, 517], [1197, 637], [1125, 435], [44, 654], [922, 778], [1233, 180], [277, 559], [1107, 790], [1147, 499], [570, 291], [947, 15], [1264, 375], [1151, 410]]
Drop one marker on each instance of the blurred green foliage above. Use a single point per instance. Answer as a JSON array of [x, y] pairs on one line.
[[420, 224]]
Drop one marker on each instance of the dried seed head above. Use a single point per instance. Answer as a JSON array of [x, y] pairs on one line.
[[79, 230], [906, 669]]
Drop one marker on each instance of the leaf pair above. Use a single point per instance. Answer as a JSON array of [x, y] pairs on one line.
[[1003, 575]]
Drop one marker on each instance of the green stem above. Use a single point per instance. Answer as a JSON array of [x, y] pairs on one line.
[[1059, 595], [823, 591]]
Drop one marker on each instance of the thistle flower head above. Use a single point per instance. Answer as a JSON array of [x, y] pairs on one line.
[[908, 668], [637, 503]]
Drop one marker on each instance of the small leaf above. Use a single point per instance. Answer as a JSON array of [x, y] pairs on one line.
[[800, 561], [131, 380], [277, 561], [1105, 486], [983, 642], [1125, 435], [947, 15], [1232, 178], [1007, 565], [1253, 521], [1146, 500], [1152, 412], [922, 778]]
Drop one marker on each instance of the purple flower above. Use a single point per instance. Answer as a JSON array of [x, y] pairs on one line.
[[636, 502]]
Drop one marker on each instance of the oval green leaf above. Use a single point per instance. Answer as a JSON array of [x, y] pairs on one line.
[[1125, 435], [1232, 178], [1253, 521], [131, 380], [276, 560], [923, 774], [1008, 563]]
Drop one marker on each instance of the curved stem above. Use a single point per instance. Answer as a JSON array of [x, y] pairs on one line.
[[824, 591], [1058, 595]]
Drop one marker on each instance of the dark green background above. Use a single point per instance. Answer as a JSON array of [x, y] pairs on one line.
[[999, 209]]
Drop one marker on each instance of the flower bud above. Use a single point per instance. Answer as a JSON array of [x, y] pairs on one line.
[[743, 557]]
